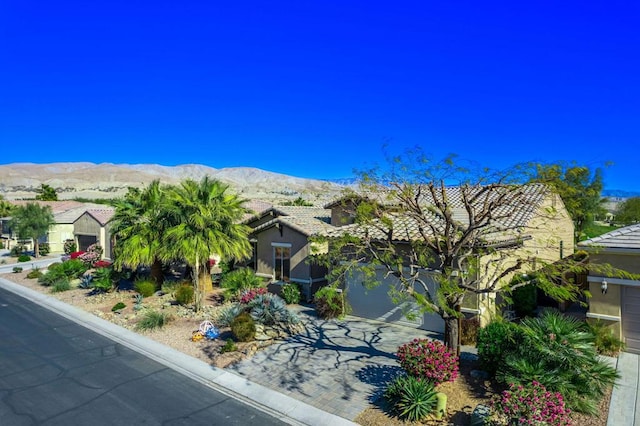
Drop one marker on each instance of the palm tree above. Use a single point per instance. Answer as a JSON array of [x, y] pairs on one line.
[[206, 218], [32, 221], [137, 226]]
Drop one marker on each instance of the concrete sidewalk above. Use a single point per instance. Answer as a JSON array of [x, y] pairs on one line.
[[625, 397], [286, 408]]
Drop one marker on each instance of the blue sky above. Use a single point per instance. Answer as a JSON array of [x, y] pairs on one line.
[[314, 89]]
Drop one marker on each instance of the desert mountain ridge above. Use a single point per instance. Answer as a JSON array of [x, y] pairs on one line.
[[108, 180]]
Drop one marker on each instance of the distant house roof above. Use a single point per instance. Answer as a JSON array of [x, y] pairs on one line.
[[623, 238], [56, 206], [257, 208], [509, 217], [306, 220]]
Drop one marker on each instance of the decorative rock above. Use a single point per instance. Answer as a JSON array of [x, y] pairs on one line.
[[480, 415]]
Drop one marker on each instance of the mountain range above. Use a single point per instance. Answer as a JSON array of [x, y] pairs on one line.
[[107, 180]]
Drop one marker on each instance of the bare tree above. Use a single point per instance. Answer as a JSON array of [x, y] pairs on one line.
[[470, 231]]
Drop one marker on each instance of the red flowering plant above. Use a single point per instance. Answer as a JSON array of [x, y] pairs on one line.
[[530, 405], [102, 264], [248, 295], [428, 359], [76, 254]]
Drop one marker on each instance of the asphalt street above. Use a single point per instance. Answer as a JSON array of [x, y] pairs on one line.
[[54, 371]]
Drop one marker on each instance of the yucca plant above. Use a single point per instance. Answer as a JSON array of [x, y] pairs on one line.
[[413, 399]]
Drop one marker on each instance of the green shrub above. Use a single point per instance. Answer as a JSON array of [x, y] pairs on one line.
[[235, 282], [153, 319], [243, 327], [43, 249], [291, 293], [35, 273], [145, 287], [118, 306], [411, 398], [16, 251], [170, 286], [331, 303], [24, 258], [559, 352], [17, 269], [61, 285], [605, 340], [102, 279], [495, 341], [69, 246], [229, 346], [525, 300], [228, 313], [184, 294], [73, 268]]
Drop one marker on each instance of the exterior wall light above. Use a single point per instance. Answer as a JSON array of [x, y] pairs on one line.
[[604, 286]]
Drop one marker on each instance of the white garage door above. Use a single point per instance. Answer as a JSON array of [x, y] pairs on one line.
[[631, 318]]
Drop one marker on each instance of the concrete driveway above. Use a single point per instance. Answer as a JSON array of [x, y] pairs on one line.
[[336, 366]]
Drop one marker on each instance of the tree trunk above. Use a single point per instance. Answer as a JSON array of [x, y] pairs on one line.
[[156, 273], [452, 333], [36, 248], [197, 287], [205, 279]]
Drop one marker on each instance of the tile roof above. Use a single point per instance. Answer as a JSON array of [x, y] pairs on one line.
[[508, 217], [257, 208], [623, 238], [306, 220], [102, 215]]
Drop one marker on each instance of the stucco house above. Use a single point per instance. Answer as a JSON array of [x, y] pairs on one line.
[[282, 251], [85, 223], [538, 228], [616, 300]]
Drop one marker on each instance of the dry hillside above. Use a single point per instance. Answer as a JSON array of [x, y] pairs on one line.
[[106, 180]]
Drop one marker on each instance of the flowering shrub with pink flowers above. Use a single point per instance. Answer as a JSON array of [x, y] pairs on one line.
[[248, 295], [530, 405], [92, 255], [428, 359]]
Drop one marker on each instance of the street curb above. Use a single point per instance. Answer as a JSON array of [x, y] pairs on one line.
[[283, 407]]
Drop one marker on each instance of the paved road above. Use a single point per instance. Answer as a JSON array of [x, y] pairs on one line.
[[54, 371]]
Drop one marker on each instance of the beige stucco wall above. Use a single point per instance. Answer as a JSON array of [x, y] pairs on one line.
[[551, 230], [299, 251], [610, 304], [57, 235]]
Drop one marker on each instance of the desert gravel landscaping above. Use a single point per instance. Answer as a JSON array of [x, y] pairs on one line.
[[463, 394]]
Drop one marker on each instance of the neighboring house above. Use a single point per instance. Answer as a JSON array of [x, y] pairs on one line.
[[93, 227], [282, 251], [68, 226], [541, 229], [616, 301]]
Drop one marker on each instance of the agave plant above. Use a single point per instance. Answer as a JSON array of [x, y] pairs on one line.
[[270, 309], [228, 314]]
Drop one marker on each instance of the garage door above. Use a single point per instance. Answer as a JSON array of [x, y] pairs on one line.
[[631, 318], [84, 241], [377, 304]]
